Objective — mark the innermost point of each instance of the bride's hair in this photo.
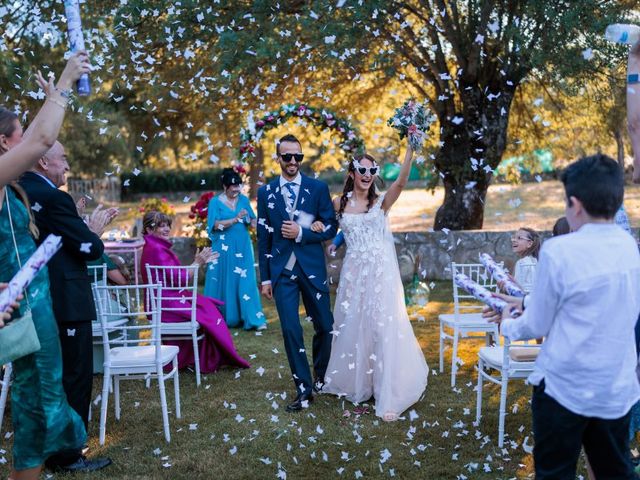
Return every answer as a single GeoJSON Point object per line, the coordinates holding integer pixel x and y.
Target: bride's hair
{"type": "Point", "coordinates": [372, 194]}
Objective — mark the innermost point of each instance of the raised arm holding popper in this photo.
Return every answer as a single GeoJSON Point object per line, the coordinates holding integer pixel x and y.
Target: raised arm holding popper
{"type": "Point", "coordinates": [501, 276]}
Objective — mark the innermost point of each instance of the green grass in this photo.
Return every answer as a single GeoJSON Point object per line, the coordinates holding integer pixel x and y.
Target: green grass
{"type": "Point", "coordinates": [235, 426]}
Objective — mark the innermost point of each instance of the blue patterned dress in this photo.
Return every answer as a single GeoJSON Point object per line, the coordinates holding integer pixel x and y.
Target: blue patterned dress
{"type": "Point", "coordinates": [233, 278]}
{"type": "Point", "coordinates": [43, 421]}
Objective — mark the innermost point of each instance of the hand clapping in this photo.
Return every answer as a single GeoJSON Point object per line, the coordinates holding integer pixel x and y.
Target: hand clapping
{"type": "Point", "coordinates": [205, 255]}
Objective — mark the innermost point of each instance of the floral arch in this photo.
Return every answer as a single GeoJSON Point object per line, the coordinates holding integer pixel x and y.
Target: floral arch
{"type": "Point", "coordinates": [321, 118]}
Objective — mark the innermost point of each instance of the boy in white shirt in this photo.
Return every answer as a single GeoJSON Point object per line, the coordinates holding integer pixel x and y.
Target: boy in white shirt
{"type": "Point", "coordinates": [585, 302]}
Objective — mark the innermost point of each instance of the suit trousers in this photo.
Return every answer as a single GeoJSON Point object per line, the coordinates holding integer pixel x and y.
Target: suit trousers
{"type": "Point", "coordinates": [559, 435]}
{"type": "Point", "coordinates": [287, 291]}
{"type": "Point", "coordinates": [76, 340]}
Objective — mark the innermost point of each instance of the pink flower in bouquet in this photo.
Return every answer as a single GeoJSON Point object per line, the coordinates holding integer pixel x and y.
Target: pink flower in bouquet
{"type": "Point", "coordinates": [260, 123]}
{"type": "Point", "coordinates": [413, 130]}
{"type": "Point", "coordinates": [270, 118]}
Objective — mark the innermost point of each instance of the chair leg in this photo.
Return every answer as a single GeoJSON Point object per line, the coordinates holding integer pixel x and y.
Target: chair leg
{"type": "Point", "coordinates": [454, 358]}
{"type": "Point", "coordinates": [503, 408]}
{"type": "Point", "coordinates": [176, 386]}
{"type": "Point", "coordinates": [163, 405]}
{"type": "Point", "coordinates": [6, 382]}
{"type": "Point", "coordinates": [196, 357]}
{"type": "Point", "coordinates": [479, 392]}
{"type": "Point", "coordinates": [116, 394]}
{"type": "Point", "coordinates": [103, 405]}
{"type": "Point", "coordinates": [441, 347]}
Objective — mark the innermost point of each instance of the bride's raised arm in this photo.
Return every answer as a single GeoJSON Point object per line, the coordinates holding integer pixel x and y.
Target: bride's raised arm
{"type": "Point", "coordinates": [396, 187]}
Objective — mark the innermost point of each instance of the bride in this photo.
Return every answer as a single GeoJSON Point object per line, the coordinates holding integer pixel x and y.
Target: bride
{"type": "Point", "coordinates": [374, 350]}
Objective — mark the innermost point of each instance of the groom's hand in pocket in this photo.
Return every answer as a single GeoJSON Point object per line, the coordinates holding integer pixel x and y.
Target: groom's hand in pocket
{"type": "Point", "coordinates": [267, 291]}
{"type": "Point", "coordinates": [290, 229]}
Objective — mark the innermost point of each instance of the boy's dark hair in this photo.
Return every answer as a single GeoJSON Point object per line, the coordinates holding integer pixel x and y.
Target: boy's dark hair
{"type": "Point", "coordinates": [287, 138]}
{"type": "Point", "coordinates": [561, 227]}
{"type": "Point", "coordinates": [598, 182]}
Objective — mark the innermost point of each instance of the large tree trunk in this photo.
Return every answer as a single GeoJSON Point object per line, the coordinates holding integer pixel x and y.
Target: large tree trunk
{"type": "Point", "coordinates": [463, 207]}
{"type": "Point", "coordinates": [256, 165]}
{"type": "Point", "coordinates": [469, 153]}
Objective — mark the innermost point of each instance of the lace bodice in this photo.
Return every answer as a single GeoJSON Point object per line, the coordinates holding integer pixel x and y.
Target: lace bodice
{"type": "Point", "coordinates": [365, 232]}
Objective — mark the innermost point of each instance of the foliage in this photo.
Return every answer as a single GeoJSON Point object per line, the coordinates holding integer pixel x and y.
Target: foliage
{"type": "Point", "coordinates": [199, 216]}
{"type": "Point", "coordinates": [158, 181]}
{"type": "Point", "coordinates": [156, 205]}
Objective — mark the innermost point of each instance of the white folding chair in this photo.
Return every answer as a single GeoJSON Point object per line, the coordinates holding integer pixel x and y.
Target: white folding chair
{"type": "Point", "coordinates": [130, 360]}
{"type": "Point", "coordinates": [466, 319]}
{"type": "Point", "coordinates": [501, 359]}
{"type": "Point", "coordinates": [4, 390]}
{"type": "Point", "coordinates": [180, 287]}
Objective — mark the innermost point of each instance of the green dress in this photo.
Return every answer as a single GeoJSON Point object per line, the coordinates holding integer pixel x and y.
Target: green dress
{"type": "Point", "coordinates": [43, 421]}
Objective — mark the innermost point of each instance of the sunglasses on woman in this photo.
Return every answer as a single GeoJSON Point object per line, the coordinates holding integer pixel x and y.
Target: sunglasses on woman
{"type": "Point", "coordinates": [363, 170]}
{"type": "Point", "coordinates": [287, 157]}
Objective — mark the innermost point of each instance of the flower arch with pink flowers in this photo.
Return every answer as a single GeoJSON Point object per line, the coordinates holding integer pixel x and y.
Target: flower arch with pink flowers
{"type": "Point", "coordinates": [321, 118]}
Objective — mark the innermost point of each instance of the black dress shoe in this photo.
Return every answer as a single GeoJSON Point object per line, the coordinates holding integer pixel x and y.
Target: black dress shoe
{"type": "Point", "coordinates": [82, 465]}
{"type": "Point", "coordinates": [302, 401]}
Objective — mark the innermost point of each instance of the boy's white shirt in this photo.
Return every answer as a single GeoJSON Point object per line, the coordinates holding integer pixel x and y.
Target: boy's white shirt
{"type": "Point", "coordinates": [585, 301]}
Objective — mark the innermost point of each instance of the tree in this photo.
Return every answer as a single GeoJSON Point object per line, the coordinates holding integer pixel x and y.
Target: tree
{"type": "Point", "coordinates": [467, 57]}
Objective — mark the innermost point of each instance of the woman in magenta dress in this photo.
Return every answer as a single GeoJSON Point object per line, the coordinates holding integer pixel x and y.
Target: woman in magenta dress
{"type": "Point", "coordinates": [216, 349]}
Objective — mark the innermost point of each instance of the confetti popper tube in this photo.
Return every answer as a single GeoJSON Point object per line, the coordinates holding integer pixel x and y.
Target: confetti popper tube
{"type": "Point", "coordinates": [29, 270]}
{"type": "Point", "coordinates": [76, 40]}
{"type": "Point", "coordinates": [501, 275]}
{"type": "Point", "coordinates": [479, 292]}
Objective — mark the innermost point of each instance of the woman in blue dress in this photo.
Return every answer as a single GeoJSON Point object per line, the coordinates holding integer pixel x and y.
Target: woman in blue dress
{"type": "Point", "coordinates": [233, 278]}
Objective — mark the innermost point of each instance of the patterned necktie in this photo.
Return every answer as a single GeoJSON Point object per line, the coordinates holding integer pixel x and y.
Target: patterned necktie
{"type": "Point", "coordinates": [292, 193]}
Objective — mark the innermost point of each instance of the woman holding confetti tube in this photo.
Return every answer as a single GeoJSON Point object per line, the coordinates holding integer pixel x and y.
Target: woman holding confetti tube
{"type": "Point", "coordinates": [43, 421]}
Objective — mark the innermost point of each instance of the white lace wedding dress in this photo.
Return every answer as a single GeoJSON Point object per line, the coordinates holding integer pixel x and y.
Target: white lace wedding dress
{"type": "Point", "coordinates": [374, 351]}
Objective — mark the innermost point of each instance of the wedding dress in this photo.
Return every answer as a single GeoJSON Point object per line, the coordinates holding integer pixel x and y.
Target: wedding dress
{"type": "Point", "coordinates": [374, 351]}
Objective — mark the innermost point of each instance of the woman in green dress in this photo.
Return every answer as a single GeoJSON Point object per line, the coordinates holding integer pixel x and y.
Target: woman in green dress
{"type": "Point", "coordinates": [43, 421]}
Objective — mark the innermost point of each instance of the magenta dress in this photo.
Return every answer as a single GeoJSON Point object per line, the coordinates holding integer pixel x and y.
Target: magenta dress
{"type": "Point", "coordinates": [216, 348]}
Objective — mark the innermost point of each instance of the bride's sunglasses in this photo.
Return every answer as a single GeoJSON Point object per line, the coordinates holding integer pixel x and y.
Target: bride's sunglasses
{"type": "Point", "coordinates": [287, 157]}
{"type": "Point", "coordinates": [373, 171]}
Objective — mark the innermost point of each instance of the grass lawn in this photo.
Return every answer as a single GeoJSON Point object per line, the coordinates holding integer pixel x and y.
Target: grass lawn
{"type": "Point", "coordinates": [235, 426]}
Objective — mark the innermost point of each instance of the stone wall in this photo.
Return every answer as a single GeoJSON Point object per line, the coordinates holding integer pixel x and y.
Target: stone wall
{"type": "Point", "coordinates": [436, 249]}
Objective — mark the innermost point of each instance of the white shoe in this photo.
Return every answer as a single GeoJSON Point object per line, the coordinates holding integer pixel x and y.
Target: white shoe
{"type": "Point", "coordinates": [262, 327]}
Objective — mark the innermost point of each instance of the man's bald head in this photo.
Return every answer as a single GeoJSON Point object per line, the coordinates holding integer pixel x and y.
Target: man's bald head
{"type": "Point", "coordinates": [54, 165]}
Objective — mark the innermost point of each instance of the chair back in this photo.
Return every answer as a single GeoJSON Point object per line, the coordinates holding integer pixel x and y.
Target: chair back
{"type": "Point", "coordinates": [479, 274]}
{"type": "Point", "coordinates": [98, 274]}
{"type": "Point", "coordinates": [129, 308]}
{"type": "Point", "coordinates": [179, 292]}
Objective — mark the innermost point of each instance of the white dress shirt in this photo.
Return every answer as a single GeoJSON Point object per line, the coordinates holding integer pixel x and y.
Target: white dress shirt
{"type": "Point", "coordinates": [585, 301]}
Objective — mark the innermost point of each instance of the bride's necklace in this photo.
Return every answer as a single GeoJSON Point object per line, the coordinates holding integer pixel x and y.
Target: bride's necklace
{"type": "Point", "coordinates": [230, 203]}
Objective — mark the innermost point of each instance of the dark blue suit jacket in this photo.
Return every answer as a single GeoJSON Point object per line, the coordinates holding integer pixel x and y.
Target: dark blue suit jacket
{"type": "Point", "coordinates": [274, 250]}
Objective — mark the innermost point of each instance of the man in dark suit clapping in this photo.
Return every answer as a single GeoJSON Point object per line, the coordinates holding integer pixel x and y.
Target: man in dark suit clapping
{"type": "Point", "coordinates": [55, 212]}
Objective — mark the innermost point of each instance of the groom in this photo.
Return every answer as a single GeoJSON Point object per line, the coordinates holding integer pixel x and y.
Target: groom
{"type": "Point", "coordinates": [291, 259]}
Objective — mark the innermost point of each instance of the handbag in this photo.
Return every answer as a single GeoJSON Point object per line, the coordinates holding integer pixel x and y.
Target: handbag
{"type": "Point", "coordinates": [18, 337]}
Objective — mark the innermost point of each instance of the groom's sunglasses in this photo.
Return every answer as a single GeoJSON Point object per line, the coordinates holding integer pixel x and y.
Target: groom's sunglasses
{"type": "Point", "coordinates": [287, 157]}
{"type": "Point", "coordinates": [372, 170]}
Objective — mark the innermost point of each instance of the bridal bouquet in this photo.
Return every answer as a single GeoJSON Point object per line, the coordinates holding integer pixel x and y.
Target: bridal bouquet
{"type": "Point", "coordinates": [413, 120]}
